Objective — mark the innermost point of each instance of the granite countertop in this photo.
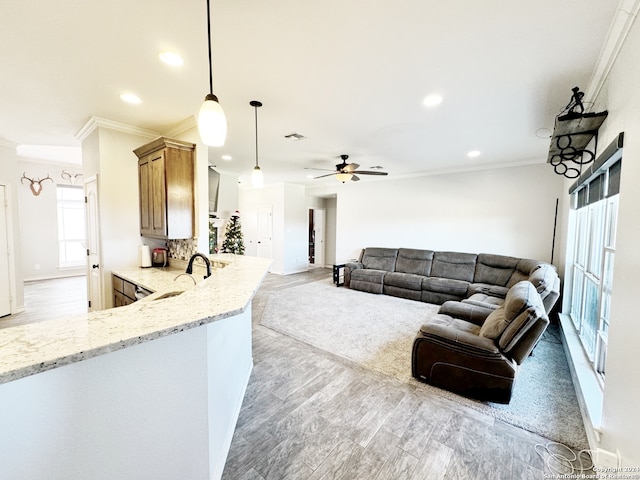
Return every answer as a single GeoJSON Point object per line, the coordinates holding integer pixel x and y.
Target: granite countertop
{"type": "Point", "coordinates": [34, 348]}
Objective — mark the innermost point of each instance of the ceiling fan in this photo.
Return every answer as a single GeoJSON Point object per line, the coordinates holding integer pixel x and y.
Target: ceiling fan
{"type": "Point", "coordinates": [346, 171]}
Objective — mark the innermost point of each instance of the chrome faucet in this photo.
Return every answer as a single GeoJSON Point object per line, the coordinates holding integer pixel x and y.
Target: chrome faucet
{"type": "Point", "coordinates": [206, 261]}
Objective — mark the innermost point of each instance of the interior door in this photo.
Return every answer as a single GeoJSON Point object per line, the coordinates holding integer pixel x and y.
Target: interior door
{"type": "Point", "coordinates": [94, 270]}
{"type": "Point", "coordinates": [5, 290]}
{"type": "Point", "coordinates": [318, 228]}
{"type": "Point", "coordinates": [265, 232]}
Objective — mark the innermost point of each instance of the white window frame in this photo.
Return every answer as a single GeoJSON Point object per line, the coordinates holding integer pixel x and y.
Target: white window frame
{"type": "Point", "coordinates": [64, 205]}
{"type": "Point", "coordinates": [593, 254]}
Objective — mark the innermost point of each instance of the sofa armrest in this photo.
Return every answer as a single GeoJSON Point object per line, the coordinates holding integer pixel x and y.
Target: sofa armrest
{"type": "Point", "coordinates": [491, 290]}
{"type": "Point", "coordinates": [466, 311]}
{"type": "Point", "coordinates": [348, 268]}
{"type": "Point", "coordinates": [460, 341]}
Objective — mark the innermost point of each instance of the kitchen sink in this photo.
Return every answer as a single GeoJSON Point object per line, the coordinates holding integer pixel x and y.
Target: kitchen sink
{"type": "Point", "coordinates": [169, 295]}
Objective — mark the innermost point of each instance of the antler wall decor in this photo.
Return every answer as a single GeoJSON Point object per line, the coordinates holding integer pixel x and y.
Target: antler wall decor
{"type": "Point", "coordinates": [70, 176]}
{"type": "Point", "coordinates": [36, 185]}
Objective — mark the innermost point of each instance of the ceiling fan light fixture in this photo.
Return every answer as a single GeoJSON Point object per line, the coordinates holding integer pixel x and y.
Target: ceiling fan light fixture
{"type": "Point", "coordinates": [344, 177]}
{"type": "Point", "coordinates": [212, 122]}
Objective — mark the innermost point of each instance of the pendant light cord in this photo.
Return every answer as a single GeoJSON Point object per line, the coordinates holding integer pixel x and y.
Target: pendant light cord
{"type": "Point", "coordinates": [255, 108]}
{"type": "Point", "coordinates": [209, 41]}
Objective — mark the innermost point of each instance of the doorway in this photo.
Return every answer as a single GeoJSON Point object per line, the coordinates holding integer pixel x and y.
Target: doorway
{"type": "Point", "coordinates": [316, 237]}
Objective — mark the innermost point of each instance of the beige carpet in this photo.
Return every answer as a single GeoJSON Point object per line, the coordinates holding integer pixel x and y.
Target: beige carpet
{"type": "Point", "coordinates": [377, 331]}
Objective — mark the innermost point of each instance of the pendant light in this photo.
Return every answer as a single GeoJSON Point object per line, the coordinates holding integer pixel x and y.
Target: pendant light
{"type": "Point", "coordinates": [212, 123]}
{"type": "Point", "coordinates": [257, 180]}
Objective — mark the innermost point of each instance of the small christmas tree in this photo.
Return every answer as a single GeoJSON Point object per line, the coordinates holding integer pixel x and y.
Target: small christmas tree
{"type": "Point", "coordinates": [233, 242]}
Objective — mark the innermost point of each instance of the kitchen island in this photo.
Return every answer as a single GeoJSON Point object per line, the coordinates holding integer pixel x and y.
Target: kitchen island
{"type": "Point", "coordinates": [148, 390]}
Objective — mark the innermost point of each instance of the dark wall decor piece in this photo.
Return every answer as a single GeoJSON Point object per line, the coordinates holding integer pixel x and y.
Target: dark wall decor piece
{"type": "Point", "coordinates": [573, 132]}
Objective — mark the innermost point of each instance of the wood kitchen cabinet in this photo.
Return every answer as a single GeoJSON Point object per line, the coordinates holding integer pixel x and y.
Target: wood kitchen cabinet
{"type": "Point", "coordinates": [166, 180]}
{"type": "Point", "coordinates": [124, 292]}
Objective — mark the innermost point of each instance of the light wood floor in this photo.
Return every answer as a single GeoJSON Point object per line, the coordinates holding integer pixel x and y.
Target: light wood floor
{"type": "Point", "coordinates": [47, 299]}
{"type": "Point", "coordinates": [311, 415]}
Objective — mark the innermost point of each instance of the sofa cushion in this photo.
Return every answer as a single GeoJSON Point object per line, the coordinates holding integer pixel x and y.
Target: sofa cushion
{"type": "Point", "coordinates": [494, 269]}
{"type": "Point", "coordinates": [414, 261]}
{"type": "Point", "coordinates": [543, 279]}
{"type": "Point", "coordinates": [368, 275]}
{"type": "Point", "coordinates": [485, 288]}
{"type": "Point", "coordinates": [450, 286]}
{"type": "Point", "coordinates": [380, 259]}
{"type": "Point", "coordinates": [484, 300]}
{"type": "Point", "coordinates": [367, 280]}
{"type": "Point", "coordinates": [403, 280]}
{"type": "Point", "coordinates": [494, 324]}
{"type": "Point", "coordinates": [451, 323]}
{"type": "Point", "coordinates": [454, 265]}
{"type": "Point", "coordinates": [523, 270]}
{"type": "Point", "coordinates": [509, 322]}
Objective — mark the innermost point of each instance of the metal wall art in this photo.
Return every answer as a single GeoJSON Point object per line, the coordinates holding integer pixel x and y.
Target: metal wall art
{"type": "Point", "coordinates": [573, 132]}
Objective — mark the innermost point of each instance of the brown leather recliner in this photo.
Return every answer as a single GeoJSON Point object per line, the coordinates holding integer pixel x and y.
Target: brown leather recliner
{"type": "Point", "coordinates": [476, 351]}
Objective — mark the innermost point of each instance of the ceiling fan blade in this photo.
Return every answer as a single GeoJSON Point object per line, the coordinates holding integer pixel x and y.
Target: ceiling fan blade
{"type": "Point", "coordinates": [321, 169]}
{"type": "Point", "coordinates": [327, 175]}
{"type": "Point", "coordinates": [355, 178]}
{"type": "Point", "coordinates": [350, 168]}
{"type": "Point", "coordinates": [365, 172]}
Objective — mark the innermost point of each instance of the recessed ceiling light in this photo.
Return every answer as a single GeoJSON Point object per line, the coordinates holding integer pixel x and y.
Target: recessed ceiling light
{"type": "Point", "coordinates": [473, 154]}
{"type": "Point", "coordinates": [432, 100]}
{"type": "Point", "coordinates": [130, 98]}
{"type": "Point", "coordinates": [227, 158]}
{"type": "Point", "coordinates": [171, 58]}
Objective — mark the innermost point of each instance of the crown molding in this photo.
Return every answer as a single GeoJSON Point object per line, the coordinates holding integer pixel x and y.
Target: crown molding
{"type": "Point", "coordinates": [181, 127]}
{"type": "Point", "coordinates": [620, 26]}
{"type": "Point", "coordinates": [95, 122]}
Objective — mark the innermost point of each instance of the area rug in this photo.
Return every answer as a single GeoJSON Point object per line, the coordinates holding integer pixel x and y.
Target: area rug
{"type": "Point", "coordinates": [377, 332]}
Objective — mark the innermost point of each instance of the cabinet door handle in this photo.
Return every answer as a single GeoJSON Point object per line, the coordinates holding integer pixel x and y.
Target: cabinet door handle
{"type": "Point", "coordinates": [95, 265]}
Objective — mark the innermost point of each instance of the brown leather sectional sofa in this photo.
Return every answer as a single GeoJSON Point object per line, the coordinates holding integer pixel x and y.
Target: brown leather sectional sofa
{"type": "Point", "coordinates": [494, 311]}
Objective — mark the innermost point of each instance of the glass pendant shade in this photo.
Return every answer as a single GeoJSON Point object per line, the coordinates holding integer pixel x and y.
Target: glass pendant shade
{"type": "Point", "coordinates": [343, 177]}
{"type": "Point", "coordinates": [257, 180]}
{"type": "Point", "coordinates": [212, 123]}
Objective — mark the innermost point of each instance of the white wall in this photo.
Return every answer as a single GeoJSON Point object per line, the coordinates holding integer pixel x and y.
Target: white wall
{"type": "Point", "coordinates": [621, 97]}
{"type": "Point", "coordinates": [9, 176]}
{"type": "Point", "coordinates": [109, 154]}
{"type": "Point", "coordinates": [330, 231]}
{"type": "Point", "coordinates": [39, 221]}
{"type": "Point", "coordinates": [290, 224]}
{"type": "Point", "coordinates": [508, 211]}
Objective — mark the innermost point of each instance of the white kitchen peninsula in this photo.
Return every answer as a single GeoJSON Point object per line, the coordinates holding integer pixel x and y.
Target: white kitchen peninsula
{"type": "Point", "coordinates": [150, 390]}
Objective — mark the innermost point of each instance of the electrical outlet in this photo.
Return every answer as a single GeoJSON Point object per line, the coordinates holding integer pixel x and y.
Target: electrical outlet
{"type": "Point", "coordinates": [607, 459]}
{"type": "Point", "coordinates": [36, 266]}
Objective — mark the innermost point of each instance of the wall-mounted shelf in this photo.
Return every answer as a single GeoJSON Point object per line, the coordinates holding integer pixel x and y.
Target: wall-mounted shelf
{"type": "Point", "coordinates": [572, 134]}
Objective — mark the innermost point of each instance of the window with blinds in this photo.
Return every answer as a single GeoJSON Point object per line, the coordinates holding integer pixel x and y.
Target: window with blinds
{"type": "Point", "coordinates": [593, 222]}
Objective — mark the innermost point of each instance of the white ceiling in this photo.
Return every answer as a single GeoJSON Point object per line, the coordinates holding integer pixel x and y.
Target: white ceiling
{"type": "Point", "coordinates": [349, 75]}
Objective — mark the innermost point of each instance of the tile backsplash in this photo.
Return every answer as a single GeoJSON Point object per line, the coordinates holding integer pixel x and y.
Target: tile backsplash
{"type": "Point", "coordinates": [182, 249]}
